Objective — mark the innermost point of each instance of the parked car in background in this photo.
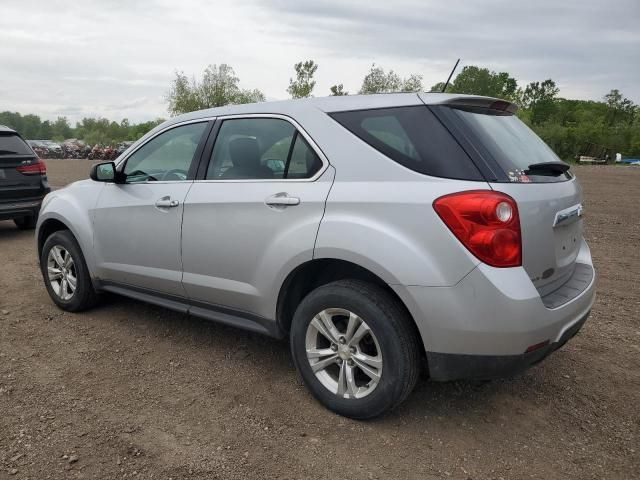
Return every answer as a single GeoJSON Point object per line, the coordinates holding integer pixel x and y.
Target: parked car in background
{"type": "Point", "coordinates": [54, 149]}
{"type": "Point", "coordinates": [39, 148]}
{"type": "Point", "coordinates": [122, 146]}
{"type": "Point", "coordinates": [23, 180]}
{"type": "Point", "coordinates": [374, 231]}
{"type": "Point", "coordinates": [74, 148]}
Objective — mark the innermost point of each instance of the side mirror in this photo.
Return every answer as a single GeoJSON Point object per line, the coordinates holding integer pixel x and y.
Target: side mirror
{"type": "Point", "coordinates": [103, 172]}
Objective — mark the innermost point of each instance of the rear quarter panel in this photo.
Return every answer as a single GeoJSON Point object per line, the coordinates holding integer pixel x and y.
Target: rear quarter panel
{"type": "Point", "coordinates": [391, 229]}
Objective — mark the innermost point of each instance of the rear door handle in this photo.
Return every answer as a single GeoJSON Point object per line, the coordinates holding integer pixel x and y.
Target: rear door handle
{"type": "Point", "coordinates": [282, 199]}
{"type": "Point", "coordinates": [166, 202]}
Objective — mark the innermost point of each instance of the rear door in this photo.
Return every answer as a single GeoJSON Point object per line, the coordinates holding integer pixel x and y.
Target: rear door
{"type": "Point", "coordinates": [253, 213]}
{"type": "Point", "coordinates": [549, 200]}
{"type": "Point", "coordinates": [15, 155]}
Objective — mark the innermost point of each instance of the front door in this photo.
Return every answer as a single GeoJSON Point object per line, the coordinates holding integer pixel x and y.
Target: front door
{"type": "Point", "coordinates": [137, 223]}
{"type": "Point", "coordinates": [254, 216]}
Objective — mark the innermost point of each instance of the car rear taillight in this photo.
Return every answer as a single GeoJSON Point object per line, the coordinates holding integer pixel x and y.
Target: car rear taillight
{"type": "Point", "coordinates": [487, 224]}
{"type": "Point", "coordinates": [36, 168]}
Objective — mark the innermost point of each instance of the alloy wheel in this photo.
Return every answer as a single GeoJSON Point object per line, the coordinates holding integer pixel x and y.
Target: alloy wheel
{"type": "Point", "coordinates": [61, 272]}
{"type": "Point", "coordinates": [343, 352]}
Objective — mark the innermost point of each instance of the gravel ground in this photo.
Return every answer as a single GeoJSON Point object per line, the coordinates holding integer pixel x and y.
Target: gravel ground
{"type": "Point", "coordinates": [128, 390]}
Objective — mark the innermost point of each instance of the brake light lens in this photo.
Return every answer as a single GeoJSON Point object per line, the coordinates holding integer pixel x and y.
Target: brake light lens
{"type": "Point", "coordinates": [486, 223]}
{"type": "Point", "coordinates": [36, 168]}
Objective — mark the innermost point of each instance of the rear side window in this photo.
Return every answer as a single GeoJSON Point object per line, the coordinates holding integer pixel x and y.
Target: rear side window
{"type": "Point", "coordinates": [12, 144]}
{"type": "Point", "coordinates": [261, 149]}
{"type": "Point", "coordinates": [414, 138]}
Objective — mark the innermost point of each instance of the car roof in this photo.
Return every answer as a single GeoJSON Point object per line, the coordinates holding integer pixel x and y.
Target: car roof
{"type": "Point", "coordinates": [5, 129]}
{"type": "Point", "coordinates": [330, 104]}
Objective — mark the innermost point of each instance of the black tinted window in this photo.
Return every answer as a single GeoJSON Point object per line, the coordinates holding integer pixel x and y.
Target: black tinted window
{"type": "Point", "coordinates": [260, 148]}
{"type": "Point", "coordinates": [512, 144]}
{"type": "Point", "coordinates": [304, 162]}
{"type": "Point", "coordinates": [12, 144]}
{"type": "Point", "coordinates": [413, 137]}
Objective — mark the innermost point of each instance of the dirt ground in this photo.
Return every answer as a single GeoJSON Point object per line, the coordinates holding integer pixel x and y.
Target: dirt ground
{"type": "Point", "coordinates": [128, 390]}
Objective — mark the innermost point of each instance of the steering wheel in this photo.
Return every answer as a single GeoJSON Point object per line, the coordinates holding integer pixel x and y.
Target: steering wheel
{"type": "Point", "coordinates": [176, 172]}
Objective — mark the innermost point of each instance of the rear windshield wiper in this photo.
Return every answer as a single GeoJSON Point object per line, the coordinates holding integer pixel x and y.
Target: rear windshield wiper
{"type": "Point", "coordinates": [548, 168]}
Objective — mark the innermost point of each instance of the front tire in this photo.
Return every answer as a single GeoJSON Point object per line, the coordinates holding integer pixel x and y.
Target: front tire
{"type": "Point", "coordinates": [356, 348]}
{"type": "Point", "coordinates": [65, 273]}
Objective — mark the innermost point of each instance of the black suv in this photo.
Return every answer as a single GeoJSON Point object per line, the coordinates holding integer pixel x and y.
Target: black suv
{"type": "Point", "coordinates": [23, 180]}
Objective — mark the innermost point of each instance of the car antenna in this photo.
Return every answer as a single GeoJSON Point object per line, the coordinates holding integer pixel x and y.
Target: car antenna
{"type": "Point", "coordinates": [450, 75]}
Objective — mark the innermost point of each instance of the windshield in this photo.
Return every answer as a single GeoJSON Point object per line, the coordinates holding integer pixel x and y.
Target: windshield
{"type": "Point", "coordinates": [513, 145]}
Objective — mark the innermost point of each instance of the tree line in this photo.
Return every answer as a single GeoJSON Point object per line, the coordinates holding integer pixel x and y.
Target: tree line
{"type": "Point", "coordinates": [566, 125]}
{"type": "Point", "coordinates": [90, 130]}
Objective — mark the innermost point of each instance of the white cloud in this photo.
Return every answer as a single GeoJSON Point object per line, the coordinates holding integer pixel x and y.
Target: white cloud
{"type": "Point", "coordinates": [115, 58]}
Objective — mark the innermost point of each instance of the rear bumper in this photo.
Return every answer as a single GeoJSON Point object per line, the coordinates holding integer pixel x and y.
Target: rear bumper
{"type": "Point", "coordinates": [448, 366]}
{"type": "Point", "coordinates": [20, 208]}
{"type": "Point", "coordinates": [483, 325]}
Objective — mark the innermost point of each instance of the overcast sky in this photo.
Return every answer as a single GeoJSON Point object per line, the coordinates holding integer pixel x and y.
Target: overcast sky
{"type": "Point", "coordinates": [116, 58]}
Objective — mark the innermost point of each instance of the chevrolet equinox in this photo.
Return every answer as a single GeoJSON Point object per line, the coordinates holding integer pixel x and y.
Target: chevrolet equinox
{"type": "Point", "coordinates": [380, 233]}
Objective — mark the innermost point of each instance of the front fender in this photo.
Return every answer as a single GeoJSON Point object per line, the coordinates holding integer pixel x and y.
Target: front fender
{"type": "Point", "coordinates": [72, 206]}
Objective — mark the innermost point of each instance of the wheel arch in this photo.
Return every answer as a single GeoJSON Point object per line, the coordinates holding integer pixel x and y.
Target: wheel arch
{"type": "Point", "coordinates": [47, 228]}
{"type": "Point", "coordinates": [321, 271]}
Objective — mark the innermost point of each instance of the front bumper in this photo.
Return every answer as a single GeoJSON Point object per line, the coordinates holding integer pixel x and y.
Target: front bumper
{"type": "Point", "coordinates": [448, 366]}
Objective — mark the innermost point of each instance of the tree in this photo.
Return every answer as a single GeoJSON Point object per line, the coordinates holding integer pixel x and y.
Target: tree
{"type": "Point", "coordinates": [183, 96]}
{"type": "Point", "coordinates": [620, 109]}
{"type": "Point", "coordinates": [473, 80]}
{"type": "Point", "coordinates": [338, 91]}
{"type": "Point", "coordinates": [438, 87]}
{"type": "Point", "coordinates": [412, 84]}
{"type": "Point", "coordinates": [303, 85]}
{"type": "Point", "coordinates": [377, 81]}
{"type": "Point", "coordinates": [219, 87]}
{"type": "Point", "coordinates": [61, 129]}
{"type": "Point", "coordinates": [540, 99]}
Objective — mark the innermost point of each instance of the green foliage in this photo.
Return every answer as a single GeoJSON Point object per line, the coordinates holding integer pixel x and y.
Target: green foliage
{"type": "Point", "coordinates": [218, 87]}
{"type": "Point", "coordinates": [480, 81]}
{"type": "Point", "coordinates": [540, 98]}
{"type": "Point", "coordinates": [379, 81]}
{"type": "Point", "coordinates": [89, 130]}
{"type": "Point", "coordinates": [304, 83]}
{"type": "Point", "coordinates": [565, 125]}
{"type": "Point", "coordinates": [620, 109]}
{"type": "Point", "coordinates": [337, 91]}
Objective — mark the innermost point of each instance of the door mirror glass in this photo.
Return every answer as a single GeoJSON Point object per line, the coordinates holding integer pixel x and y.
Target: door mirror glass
{"type": "Point", "coordinates": [103, 172]}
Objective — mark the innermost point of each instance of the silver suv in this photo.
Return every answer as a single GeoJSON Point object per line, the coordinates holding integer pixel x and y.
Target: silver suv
{"type": "Point", "coordinates": [376, 232]}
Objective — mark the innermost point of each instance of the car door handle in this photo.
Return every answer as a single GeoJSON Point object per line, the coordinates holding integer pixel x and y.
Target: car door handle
{"type": "Point", "coordinates": [166, 202]}
{"type": "Point", "coordinates": [282, 200]}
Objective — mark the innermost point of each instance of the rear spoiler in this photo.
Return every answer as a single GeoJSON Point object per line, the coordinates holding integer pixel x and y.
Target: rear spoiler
{"type": "Point", "coordinates": [469, 102]}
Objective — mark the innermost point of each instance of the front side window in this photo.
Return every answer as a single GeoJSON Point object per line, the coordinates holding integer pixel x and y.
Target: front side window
{"type": "Point", "coordinates": [261, 149]}
{"type": "Point", "coordinates": [167, 157]}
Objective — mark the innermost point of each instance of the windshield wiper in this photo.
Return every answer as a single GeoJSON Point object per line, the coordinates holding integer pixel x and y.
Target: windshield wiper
{"type": "Point", "coordinates": [547, 168]}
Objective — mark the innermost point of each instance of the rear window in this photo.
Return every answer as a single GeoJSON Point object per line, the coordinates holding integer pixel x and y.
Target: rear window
{"type": "Point", "coordinates": [12, 144]}
{"type": "Point", "coordinates": [512, 144]}
{"type": "Point", "coordinates": [412, 137]}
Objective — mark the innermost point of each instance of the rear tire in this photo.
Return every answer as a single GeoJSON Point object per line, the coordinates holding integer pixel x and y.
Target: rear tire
{"type": "Point", "coordinates": [26, 223]}
{"type": "Point", "coordinates": [63, 266]}
{"type": "Point", "coordinates": [389, 351]}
